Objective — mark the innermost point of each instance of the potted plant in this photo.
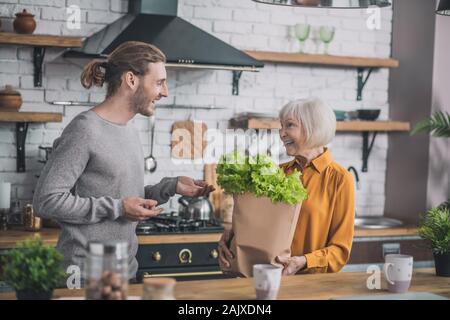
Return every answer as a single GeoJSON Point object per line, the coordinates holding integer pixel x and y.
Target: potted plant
{"type": "Point", "coordinates": [435, 228]}
{"type": "Point", "coordinates": [439, 126]}
{"type": "Point", "coordinates": [33, 269]}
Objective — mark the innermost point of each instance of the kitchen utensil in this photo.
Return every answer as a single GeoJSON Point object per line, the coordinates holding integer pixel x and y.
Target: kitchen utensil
{"type": "Point", "coordinates": [150, 161]}
{"type": "Point", "coordinates": [24, 22]}
{"type": "Point", "coordinates": [198, 208]}
{"type": "Point", "coordinates": [10, 99]}
{"type": "Point", "coordinates": [187, 139]}
{"type": "Point", "coordinates": [368, 114]}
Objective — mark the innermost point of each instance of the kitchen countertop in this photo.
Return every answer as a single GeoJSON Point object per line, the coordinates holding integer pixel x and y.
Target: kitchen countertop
{"type": "Point", "coordinates": [9, 238]}
{"type": "Point", "coordinates": [299, 287]}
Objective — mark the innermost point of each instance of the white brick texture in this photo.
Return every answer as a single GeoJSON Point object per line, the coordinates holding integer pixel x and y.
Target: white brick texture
{"type": "Point", "coordinates": [242, 23]}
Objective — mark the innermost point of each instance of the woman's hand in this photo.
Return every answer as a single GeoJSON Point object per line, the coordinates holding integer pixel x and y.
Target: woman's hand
{"type": "Point", "coordinates": [291, 265]}
{"type": "Point", "coordinates": [193, 188]}
{"type": "Point", "coordinates": [225, 255]}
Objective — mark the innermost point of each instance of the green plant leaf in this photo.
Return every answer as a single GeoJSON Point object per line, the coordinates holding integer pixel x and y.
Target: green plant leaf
{"type": "Point", "coordinates": [259, 175]}
{"type": "Point", "coordinates": [34, 266]}
{"type": "Point", "coordinates": [438, 125]}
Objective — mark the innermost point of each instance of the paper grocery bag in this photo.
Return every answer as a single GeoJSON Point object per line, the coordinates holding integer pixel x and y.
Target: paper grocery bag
{"type": "Point", "coordinates": [262, 231]}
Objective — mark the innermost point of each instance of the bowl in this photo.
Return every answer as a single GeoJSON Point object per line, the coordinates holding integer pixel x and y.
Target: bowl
{"type": "Point", "coordinates": [340, 115]}
{"type": "Point", "coordinates": [368, 114]}
{"type": "Point", "coordinates": [10, 100]}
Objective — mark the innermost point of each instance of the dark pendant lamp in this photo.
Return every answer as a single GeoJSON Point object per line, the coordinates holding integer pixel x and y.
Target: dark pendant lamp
{"type": "Point", "coordinates": [444, 8]}
{"type": "Point", "coordinates": [338, 4]}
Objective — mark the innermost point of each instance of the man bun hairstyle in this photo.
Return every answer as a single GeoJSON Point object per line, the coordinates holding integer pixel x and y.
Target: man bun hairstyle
{"type": "Point", "coordinates": [131, 56]}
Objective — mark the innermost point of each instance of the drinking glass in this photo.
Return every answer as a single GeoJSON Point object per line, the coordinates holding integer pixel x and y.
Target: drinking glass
{"type": "Point", "coordinates": [302, 33]}
{"type": "Point", "coordinates": [326, 35]}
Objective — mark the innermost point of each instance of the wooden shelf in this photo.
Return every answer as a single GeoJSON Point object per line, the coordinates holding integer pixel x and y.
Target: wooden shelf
{"type": "Point", "coordinates": [22, 119]}
{"type": "Point", "coordinates": [364, 127]}
{"type": "Point", "coordinates": [30, 116]}
{"type": "Point", "coordinates": [342, 126]}
{"type": "Point", "coordinates": [40, 40]}
{"type": "Point", "coordinates": [326, 60]}
{"type": "Point", "coordinates": [39, 44]}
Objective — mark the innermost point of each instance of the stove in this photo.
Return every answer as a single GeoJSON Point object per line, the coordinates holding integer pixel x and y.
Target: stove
{"type": "Point", "coordinates": [193, 260]}
{"type": "Point", "coordinates": [171, 223]}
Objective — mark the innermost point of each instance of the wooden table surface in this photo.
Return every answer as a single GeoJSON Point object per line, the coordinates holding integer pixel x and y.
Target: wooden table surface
{"type": "Point", "coordinates": [299, 287]}
{"type": "Point", "coordinates": [9, 238]}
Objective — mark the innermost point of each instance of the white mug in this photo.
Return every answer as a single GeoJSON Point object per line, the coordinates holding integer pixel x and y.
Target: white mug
{"type": "Point", "coordinates": [267, 281]}
{"type": "Point", "coordinates": [398, 272]}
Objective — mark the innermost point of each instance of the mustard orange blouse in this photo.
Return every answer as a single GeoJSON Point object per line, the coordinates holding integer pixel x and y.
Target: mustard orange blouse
{"type": "Point", "coordinates": [324, 232]}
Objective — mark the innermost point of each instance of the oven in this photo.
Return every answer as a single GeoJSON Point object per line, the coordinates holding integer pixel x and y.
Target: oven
{"type": "Point", "coordinates": [180, 260]}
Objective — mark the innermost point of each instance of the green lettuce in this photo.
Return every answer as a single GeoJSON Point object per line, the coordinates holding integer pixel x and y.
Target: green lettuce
{"type": "Point", "coordinates": [261, 176]}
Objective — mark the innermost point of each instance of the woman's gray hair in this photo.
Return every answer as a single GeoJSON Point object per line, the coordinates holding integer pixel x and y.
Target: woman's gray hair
{"type": "Point", "coordinates": [316, 118]}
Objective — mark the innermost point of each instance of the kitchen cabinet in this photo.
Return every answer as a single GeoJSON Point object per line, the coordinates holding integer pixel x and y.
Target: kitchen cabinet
{"type": "Point", "coordinates": [371, 250]}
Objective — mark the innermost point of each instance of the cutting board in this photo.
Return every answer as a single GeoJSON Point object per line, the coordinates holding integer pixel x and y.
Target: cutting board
{"type": "Point", "coordinates": [222, 202]}
{"type": "Point", "coordinates": [188, 139]}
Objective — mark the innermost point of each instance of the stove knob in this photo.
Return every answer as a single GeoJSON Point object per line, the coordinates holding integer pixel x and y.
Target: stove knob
{"type": "Point", "coordinates": [214, 254]}
{"type": "Point", "coordinates": [156, 256]}
{"type": "Point", "coordinates": [185, 256]}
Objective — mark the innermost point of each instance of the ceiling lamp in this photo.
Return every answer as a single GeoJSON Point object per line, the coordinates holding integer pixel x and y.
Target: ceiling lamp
{"type": "Point", "coordinates": [444, 8]}
{"type": "Point", "coordinates": [338, 4]}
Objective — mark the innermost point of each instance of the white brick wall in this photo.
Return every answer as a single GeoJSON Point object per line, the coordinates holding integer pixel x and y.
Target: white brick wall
{"type": "Point", "coordinates": [242, 23]}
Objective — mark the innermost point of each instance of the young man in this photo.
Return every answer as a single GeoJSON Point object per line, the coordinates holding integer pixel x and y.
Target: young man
{"type": "Point", "coordinates": [93, 183]}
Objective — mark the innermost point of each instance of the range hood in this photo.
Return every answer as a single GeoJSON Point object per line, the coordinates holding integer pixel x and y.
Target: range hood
{"type": "Point", "coordinates": [156, 22]}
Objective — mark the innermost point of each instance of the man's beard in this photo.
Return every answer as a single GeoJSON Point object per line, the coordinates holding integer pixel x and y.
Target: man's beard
{"type": "Point", "coordinates": [140, 102]}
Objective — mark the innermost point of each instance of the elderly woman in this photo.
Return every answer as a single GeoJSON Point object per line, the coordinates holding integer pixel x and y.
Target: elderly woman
{"type": "Point", "coordinates": [324, 232]}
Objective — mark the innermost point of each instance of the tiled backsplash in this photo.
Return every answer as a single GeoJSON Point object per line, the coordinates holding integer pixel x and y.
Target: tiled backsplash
{"type": "Point", "coordinates": [242, 23]}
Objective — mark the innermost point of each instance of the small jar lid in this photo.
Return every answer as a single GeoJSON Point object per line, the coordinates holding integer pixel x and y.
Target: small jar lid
{"type": "Point", "coordinates": [101, 248]}
{"type": "Point", "coordinates": [9, 91]}
{"type": "Point", "coordinates": [24, 13]}
{"type": "Point", "coordinates": [159, 282]}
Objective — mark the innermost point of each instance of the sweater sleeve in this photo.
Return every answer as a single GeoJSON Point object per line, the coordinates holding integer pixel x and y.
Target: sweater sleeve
{"type": "Point", "coordinates": [335, 255]}
{"type": "Point", "coordinates": [55, 196]}
{"type": "Point", "coordinates": [162, 191]}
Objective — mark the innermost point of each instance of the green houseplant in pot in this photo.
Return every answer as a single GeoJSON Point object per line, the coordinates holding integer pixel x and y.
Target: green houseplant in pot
{"type": "Point", "coordinates": [33, 269]}
{"type": "Point", "coordinates": [435, 228]}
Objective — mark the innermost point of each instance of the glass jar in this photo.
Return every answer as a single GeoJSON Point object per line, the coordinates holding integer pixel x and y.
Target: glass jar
{"type": "Point", "coordinates": [107, 271]}
{"type": "Point", "coordinates": [159, 289]}
{"type": "Point", "coordinates": [30, 220]}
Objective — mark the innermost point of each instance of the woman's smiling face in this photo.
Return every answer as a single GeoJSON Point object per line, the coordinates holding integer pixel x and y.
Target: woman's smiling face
{"type": "Point", "coordinates": [291, 134]}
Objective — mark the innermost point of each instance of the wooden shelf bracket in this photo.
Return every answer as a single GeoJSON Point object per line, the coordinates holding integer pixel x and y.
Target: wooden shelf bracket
{"type": "Point", "coordinates": [21, 136]}
{"type": "Point", "coordinates": [367, 148]}
{"type": "Point", "coordinates": [236, 77]}
{"type": "Point", "coordinates": [38, 59]}
{"type": "Point", "coordinates": [362, 82]}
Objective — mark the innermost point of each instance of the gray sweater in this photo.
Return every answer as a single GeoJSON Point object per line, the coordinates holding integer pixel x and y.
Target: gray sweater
{"type": "Point", "coordinates": [93, 166]}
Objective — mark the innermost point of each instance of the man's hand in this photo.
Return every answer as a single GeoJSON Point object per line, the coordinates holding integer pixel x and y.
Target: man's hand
{"type": "Point", "coordinates": [225, 255]}
{"type": "Point", "coordinates": [193, 188]}
{"type": "Point", "coordinates": [291, 264]}
{"type": "Point", "coordinates": [137, 209]}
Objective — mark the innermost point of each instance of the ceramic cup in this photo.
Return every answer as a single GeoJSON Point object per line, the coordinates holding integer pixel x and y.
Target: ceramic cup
{"type": "Point", "coordinates": [267, 281]}
{"type": "Point", "coordinates": [398, 272]}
